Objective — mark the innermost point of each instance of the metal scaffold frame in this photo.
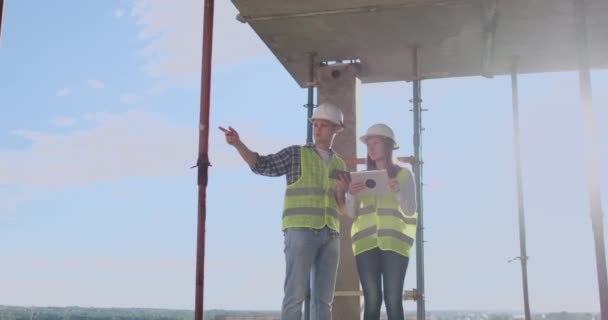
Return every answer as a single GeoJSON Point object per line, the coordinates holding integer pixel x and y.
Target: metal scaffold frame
{"type": "Point", "coordinates": [594, 166]}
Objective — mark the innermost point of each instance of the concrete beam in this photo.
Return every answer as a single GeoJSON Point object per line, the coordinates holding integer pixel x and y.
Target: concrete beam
{"type": "Point", "coordinates": [355, 9]}
{"type": "Point", "coordinates": [489, 19]}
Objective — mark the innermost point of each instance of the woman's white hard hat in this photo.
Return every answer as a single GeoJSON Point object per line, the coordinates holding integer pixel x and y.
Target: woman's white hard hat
{"type": "Point", "coordinates": [380, 130]}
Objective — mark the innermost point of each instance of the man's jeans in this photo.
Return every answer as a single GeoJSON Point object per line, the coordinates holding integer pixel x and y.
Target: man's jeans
{"type": "Point", "coordinates": [311, 260]}
{"type": "Point", "coordinates": [377, 269]}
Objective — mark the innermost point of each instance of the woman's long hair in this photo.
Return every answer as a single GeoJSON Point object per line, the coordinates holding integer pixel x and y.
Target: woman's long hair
{"type": "Point", "coordinates": [391, 168]}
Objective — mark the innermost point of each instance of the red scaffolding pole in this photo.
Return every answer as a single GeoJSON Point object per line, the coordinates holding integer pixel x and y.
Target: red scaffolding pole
{"type": "Point", "coordinates": [203, 158]}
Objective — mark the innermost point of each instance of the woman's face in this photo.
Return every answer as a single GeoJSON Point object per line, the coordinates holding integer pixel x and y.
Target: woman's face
{"type": "Point", "coordinates": [375, 148]}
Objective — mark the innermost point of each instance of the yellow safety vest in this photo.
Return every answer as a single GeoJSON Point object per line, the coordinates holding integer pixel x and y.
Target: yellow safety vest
{"type": "Point", "coordinates": [381, 223]}
{"type": "Point", "coordinates": [311, 200]}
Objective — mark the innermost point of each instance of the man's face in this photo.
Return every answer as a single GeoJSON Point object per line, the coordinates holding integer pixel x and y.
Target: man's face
{"type": "Point", "coordinates": [323, 130]}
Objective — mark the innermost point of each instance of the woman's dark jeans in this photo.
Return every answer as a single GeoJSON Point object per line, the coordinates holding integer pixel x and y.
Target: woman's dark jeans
{"type": "Point", "coordinates": [382, 269]}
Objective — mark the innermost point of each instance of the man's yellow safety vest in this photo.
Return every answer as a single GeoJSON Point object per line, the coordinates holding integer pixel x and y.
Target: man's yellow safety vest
{"type": "Point", "coordinates": [311, 200]}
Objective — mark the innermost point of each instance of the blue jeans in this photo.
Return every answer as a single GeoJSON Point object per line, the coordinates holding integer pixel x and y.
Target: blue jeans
{"type": "Point", "coordinates": [382, 269]}
{"type": "Point", "coordinates": [311, 261]}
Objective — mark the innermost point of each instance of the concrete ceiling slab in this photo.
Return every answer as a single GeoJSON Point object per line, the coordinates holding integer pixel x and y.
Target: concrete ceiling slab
{"type": "Point", "coordinates": [454, 38]}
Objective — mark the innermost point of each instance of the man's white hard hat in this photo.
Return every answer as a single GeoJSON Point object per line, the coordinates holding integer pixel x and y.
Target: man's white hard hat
{"type": "Point", "coordinates": [329, 112]}
{"type": "Point", "coordinates": [380, 130]}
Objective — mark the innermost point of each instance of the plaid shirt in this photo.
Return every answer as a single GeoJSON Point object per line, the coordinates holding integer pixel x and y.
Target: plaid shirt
{"type": "Point", "coordinates": [285, 162]}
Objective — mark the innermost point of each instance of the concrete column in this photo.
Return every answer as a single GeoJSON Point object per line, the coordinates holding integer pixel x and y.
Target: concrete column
{"type": "Point", "coordinates": [338, 84]}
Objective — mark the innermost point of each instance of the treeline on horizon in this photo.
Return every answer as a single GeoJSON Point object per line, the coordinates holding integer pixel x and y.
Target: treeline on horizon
{"type": "Point", "coordinates": [78, 313]}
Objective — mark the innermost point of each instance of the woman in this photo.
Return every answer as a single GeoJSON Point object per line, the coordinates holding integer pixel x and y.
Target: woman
{"type": "Point", "coordinates": [385, 227]}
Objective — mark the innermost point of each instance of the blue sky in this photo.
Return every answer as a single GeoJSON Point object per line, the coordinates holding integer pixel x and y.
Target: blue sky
{"type": "Point", "coordinates": [98, 131]}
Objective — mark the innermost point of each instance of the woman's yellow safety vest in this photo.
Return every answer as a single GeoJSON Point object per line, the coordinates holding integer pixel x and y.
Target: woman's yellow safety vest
{"type": "Point", "coordinates": [382, 223]}
{"type": "Point", "coordinates": [311, 201]}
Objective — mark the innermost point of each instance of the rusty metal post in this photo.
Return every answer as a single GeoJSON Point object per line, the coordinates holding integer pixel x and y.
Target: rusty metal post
{"type": "Point", "coordinates": [203, 158]}
{"type": "Point", "coordinates": [593, 173]}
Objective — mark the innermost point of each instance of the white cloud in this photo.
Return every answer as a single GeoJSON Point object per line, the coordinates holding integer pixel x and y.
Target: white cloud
{"type": "Point", "coordinates": [118, 13]}
{"type": "Point", "coordinates": [174, 34]}
{"type": "Point", "coordinates": [63, 92]}
{"type": "Point", "coordinates": [63, 122]}
{"type": "Point", "coordinates": [116, 146]}
{"type": "Point", "coordinates": [96, 84]}
{"type": "Point", "coordinates": [128, 98]}
{"type": "Point", "coordinates": [161, 87]}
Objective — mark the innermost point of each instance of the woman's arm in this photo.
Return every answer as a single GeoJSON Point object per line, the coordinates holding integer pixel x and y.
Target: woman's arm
{"type": "Point", "coordinates": [352, 200]}
{"type": "Point", "coordinates": [407, 195]}
{"type": "Point", "coordinates": [350, 205]}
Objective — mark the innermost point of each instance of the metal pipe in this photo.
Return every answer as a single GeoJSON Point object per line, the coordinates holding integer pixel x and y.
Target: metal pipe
{"type": "Point", "coordinates": [417, 101]}
{"type": "Point", "coordinates": [593, 172]}
{"type": "Point", "coordinates": [203, 158]}
{"type": "Point", "coordinates": [310, 106]}
{"type": "Point", "coordinates": [356, 161]}
{"type": "Point", "coordinates": [523, 257]}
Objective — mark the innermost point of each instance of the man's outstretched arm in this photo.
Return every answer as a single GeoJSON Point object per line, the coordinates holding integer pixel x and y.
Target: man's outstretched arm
{"type": "Point", "coordinates": [233, 139]}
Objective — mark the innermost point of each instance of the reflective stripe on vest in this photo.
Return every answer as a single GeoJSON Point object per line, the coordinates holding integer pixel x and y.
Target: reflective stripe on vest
{"type": "Point", "coordinates": [311, 201]}
{"type": "Point", "coordinates": [381, 223]}
{"type": "Point", "coordinates": [397, 213]}
{"type": "Point", "coordinates": [310, 211]}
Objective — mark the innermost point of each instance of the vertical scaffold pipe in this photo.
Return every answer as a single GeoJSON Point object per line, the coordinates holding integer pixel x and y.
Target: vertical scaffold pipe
{"type": "Point", "coordinates": [417, 101]}
{"type": "Point", "coordinates": [593, 173]}
{"type": "Point", "coordinates": [309, 106]}
{"type": "Point", "coordinates": [520, 189]}
{"type": "Point", "coordinates": [311, 92]}
{"type": "Point", "coordinates": [203, 158]}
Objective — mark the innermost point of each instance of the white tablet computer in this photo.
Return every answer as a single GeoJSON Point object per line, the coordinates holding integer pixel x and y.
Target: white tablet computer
{"type": "Point", "coordinates": [374, 180]}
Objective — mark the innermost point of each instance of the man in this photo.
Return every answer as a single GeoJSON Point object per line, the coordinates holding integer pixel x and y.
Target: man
{"type": "Point", "coordinates": [313, 202]}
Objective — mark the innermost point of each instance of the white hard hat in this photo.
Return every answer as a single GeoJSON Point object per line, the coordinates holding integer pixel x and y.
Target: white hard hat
{"type": "Point", "coordinates": [328, 112]}
{"type": "Point", "coordinates": [381, 130]}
